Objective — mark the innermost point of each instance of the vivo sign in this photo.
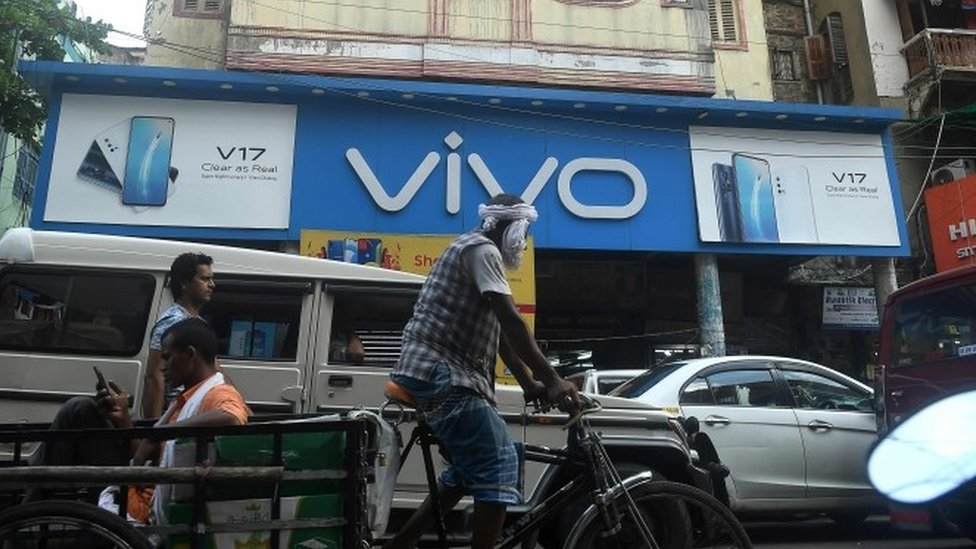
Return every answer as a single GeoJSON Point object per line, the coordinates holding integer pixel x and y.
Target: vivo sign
{"type": "Point", "coordinates": [542, 176]}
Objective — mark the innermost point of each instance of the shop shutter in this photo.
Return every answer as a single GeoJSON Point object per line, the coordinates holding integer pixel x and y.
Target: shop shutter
{"type": "Point", "coordinates": [818, 62]}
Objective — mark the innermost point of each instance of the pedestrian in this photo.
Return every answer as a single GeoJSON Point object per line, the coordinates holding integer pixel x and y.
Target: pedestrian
{"type": "Point", "coordinates": [463, 319]}
{"type": "Point", "coordinates": [191, 281]}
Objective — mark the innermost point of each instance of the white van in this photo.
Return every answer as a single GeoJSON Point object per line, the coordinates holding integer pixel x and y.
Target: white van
{"type": "Point", "coordinates": [70, 301]}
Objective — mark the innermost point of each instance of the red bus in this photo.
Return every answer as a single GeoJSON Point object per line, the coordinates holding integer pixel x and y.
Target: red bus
{"type": "Point", "coordinates": [928, 351]}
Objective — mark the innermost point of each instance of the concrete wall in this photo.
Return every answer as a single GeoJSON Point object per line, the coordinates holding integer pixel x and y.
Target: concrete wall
{"type": "Point", "coordinates": [646, 45]}
{"type": "Point", "coordinates": [884, 37]}
{"type": "Point", "coordinates": [862, 74]}
{"type": "Point", "coordinates": [743, 71]}
{"type": "Point", "coordinates": [177, 41]}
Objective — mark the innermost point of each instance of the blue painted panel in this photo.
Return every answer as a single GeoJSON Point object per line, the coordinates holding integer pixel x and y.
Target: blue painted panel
{"type": "Point", "coordinates": [394, 136]}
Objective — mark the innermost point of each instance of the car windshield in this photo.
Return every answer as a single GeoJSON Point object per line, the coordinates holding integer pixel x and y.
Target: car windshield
{"type": "Point", "coordinates": [936, 326]}
{"type": "Point", "coordinates": [640, 384]}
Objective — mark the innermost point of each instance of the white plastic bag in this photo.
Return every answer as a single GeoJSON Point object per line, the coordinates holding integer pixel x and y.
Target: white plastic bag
{"type": "Point", "coordinates": [386, 465]}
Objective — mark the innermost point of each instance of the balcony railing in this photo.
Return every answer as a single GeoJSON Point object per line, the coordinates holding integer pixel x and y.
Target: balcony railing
{"type": "Point", "coordinates": [951, 49]}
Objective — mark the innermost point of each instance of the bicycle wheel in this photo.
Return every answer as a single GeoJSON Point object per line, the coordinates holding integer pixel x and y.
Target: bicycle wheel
{"type": "Point", "coordinates": [710, 524]}
{"type": "Point", "coordinates": [62, 524]}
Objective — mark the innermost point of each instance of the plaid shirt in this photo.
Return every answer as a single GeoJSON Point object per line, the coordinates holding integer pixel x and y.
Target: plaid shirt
{"type": "Point", "coordinates": [452, 323]}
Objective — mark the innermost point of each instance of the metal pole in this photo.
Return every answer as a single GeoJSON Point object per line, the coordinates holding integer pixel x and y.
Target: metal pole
{"type": "Point", "coordinates": [885, 282]}
{"type": "Point", "coordinates": [710, 327]}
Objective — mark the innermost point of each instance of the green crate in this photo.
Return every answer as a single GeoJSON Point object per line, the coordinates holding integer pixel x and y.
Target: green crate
{"type": "Point", "coordinates": [239, 511]}
{"type": "Point", "coordinates": [300, 451]}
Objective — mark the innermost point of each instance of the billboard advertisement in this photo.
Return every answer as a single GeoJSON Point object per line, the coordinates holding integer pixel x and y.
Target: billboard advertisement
{"type": "Point", "coordinates": [172, 162]}
{"type": "Point", "coordinates": [782, 187]}
{"type": "Point", "coordinates": [951, 212]}
{"type": "Point", "coordinates": [416, 254]}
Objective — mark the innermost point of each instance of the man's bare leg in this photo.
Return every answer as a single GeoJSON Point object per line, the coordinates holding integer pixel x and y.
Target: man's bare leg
{"type": "Point", "coordinates": [489, 519]}
{"type": "Point", "coordinates": [423, 518]}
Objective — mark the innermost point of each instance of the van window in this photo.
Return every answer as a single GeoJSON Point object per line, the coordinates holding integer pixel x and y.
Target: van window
{"type": "Point", "coordinates": [256, 320]}
{"type": "Point", "coordinates": [74, 312]}
{"type": "Point", "coordinates": [936, 326]}
{"type": "Point", "coordinates": [377, 319]}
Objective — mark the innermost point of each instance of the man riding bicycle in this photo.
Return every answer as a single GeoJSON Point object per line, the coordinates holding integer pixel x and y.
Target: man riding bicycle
{"type": "Point", "coordinates": [464, 317]}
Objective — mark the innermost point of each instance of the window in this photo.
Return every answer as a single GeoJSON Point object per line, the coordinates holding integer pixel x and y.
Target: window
{"type": "Point", "coordinates": [26, 174]}
{"type": "Point", "coordinates": [840, 85]}
{"type": "Point", "coordinates": [256, 319]}
{"type": "Point", "coordinates": [78, 313]}
{"type": "Point", "coordinates": [743, 388]}
{"type": "Point", "coordinates": [199, 8]}
{"type": "Point", "coordinates": [935, 327]}
{"type": "Point", "coordinates": [377, 317]}
{"type": "Point", "coordinates": [723, 20]}
{"type": "Point", "coordinates": [814, 391]}
{"type": "Point", "coordinates": [784, 64]}
{"type": "Point", "coordinates": [697, 392]}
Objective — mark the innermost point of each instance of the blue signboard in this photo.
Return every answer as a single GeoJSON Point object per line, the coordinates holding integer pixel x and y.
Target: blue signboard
{"type": "Point", "coordinates": [605, 171]}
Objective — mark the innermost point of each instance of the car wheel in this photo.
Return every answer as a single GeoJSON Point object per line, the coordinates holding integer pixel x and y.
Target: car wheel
{"type": "Point", "coordinates": [848, 520]}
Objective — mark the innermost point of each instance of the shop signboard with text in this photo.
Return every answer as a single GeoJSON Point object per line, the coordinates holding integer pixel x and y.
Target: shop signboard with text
{"type": "Point", "coordinates": [951, 212]}
{"type": "Point", "coordinates": [851, 308]}
{"type": "Point", "coordinates": [171, 162]}
{"type": "Point", "coordinates": [755, 186]}
{"type": "Point", "coordinates": [415, 254]}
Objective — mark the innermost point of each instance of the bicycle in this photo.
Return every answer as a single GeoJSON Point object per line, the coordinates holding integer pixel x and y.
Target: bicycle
{"type": "Point", "coordinates": [639, 511]}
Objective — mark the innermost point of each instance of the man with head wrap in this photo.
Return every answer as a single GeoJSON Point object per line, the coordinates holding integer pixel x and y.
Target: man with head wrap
{"type": "Point", "coordinates": [465, 316]}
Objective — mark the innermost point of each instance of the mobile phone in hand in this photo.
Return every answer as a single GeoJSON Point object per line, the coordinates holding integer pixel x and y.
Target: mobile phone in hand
{"type": "Point", "coordinates": [102, 382]}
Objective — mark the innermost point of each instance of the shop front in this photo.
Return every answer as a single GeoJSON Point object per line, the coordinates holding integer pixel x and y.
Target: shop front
{"type": "Point", "coordinates": [630, 188]}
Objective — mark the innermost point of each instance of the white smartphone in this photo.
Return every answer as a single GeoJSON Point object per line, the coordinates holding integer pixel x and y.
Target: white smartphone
{"type": "Point", "coordinates": [796, 220]}
{"type": "Point", "coordinates": [104, 162]}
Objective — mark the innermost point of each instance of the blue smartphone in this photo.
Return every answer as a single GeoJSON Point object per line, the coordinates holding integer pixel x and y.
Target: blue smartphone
{"type": "Point", "coordinates": [727, 203]}
{"type": "Point", "coordinates": [147, 167]}
{"type": "Point", "coordinates": [755, 198]}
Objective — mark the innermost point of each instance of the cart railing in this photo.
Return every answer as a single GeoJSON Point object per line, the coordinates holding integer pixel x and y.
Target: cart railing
{"type": "Point", "coordinates": [16, 476]}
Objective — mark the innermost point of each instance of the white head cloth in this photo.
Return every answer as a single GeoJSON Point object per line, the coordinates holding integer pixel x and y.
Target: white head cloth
{"type": "Point", "coordinates": [513, 241]}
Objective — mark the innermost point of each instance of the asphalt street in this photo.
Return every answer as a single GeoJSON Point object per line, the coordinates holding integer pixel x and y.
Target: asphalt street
{"type": "Point", "coordinates": [876, 533]}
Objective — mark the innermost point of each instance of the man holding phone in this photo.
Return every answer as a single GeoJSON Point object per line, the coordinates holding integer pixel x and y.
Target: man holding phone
{"type": "Point", "coordinates": [191, 281]}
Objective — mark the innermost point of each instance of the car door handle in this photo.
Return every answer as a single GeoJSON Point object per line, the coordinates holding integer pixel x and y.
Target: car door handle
{"type": "Point", "coordinates": [717, 420]}
{"type": "Point", "coordinates": [340, 381]}
{"type": "Point", "coordinates": [818, 425]}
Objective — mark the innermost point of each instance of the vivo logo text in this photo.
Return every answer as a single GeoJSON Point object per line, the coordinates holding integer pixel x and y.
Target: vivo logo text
{"type": "Point", "coordinates": [542, 176]}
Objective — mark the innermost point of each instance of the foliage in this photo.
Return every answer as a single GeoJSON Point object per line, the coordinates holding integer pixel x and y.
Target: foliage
{"type": "Point", "coordinates": [34, 29]}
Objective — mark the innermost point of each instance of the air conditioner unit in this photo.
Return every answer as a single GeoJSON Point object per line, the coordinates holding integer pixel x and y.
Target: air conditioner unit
{"type": "Point", "coordinates": [957, 169]}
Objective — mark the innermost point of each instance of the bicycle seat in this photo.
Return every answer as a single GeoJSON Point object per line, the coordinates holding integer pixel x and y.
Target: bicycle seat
{"type": "Point", "coordinates": [398, 393]}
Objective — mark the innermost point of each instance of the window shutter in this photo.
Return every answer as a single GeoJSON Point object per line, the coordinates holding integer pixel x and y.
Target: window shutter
{"type": "Point", "coordinates": [835, 37]}
{"type": "Point", "coordinates": [722, 20]}
{"type": "Point", "coordinates": [713, 19]}
{"type": "Point", "coordinates": [728, 21]}
{"type": "Point", "coordinates": [818, 63]}
{"type": "Point", "coordinates": [191, 5]}
{"type": "Point", "coordinates": [211, 6]}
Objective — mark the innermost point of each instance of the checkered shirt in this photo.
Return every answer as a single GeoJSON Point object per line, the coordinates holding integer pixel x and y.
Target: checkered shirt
{"type": "Point", "coordinates": [452, 323]}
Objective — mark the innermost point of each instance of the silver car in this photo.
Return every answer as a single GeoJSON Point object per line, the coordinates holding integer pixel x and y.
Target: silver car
{"type": "Point", "coordinates": [794, 434]}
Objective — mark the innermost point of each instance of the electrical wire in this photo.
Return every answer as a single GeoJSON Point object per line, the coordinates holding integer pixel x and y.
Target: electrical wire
{"type": "Point", "coordinates": [928, 173]}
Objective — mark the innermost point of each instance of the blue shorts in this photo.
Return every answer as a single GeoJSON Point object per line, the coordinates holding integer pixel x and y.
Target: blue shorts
{"type": "Point", "coordinates": [473, 438]}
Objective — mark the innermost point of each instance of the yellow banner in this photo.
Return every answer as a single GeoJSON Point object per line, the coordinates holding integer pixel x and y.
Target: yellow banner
{"type": "Point", "coordinates": [416, 254]}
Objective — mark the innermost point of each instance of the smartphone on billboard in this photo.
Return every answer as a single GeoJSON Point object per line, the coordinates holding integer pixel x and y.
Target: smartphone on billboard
{"type": "Point", "coordinates": [726, 203]}
{"type": "Point", "coordinates": [755, 198]}
{"type": "Point", "coordinates": [105, 159]}
{"type": "Point", "coordinates": [147, 169]}
{"type": "Point", "coordinates": [796, 220]}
